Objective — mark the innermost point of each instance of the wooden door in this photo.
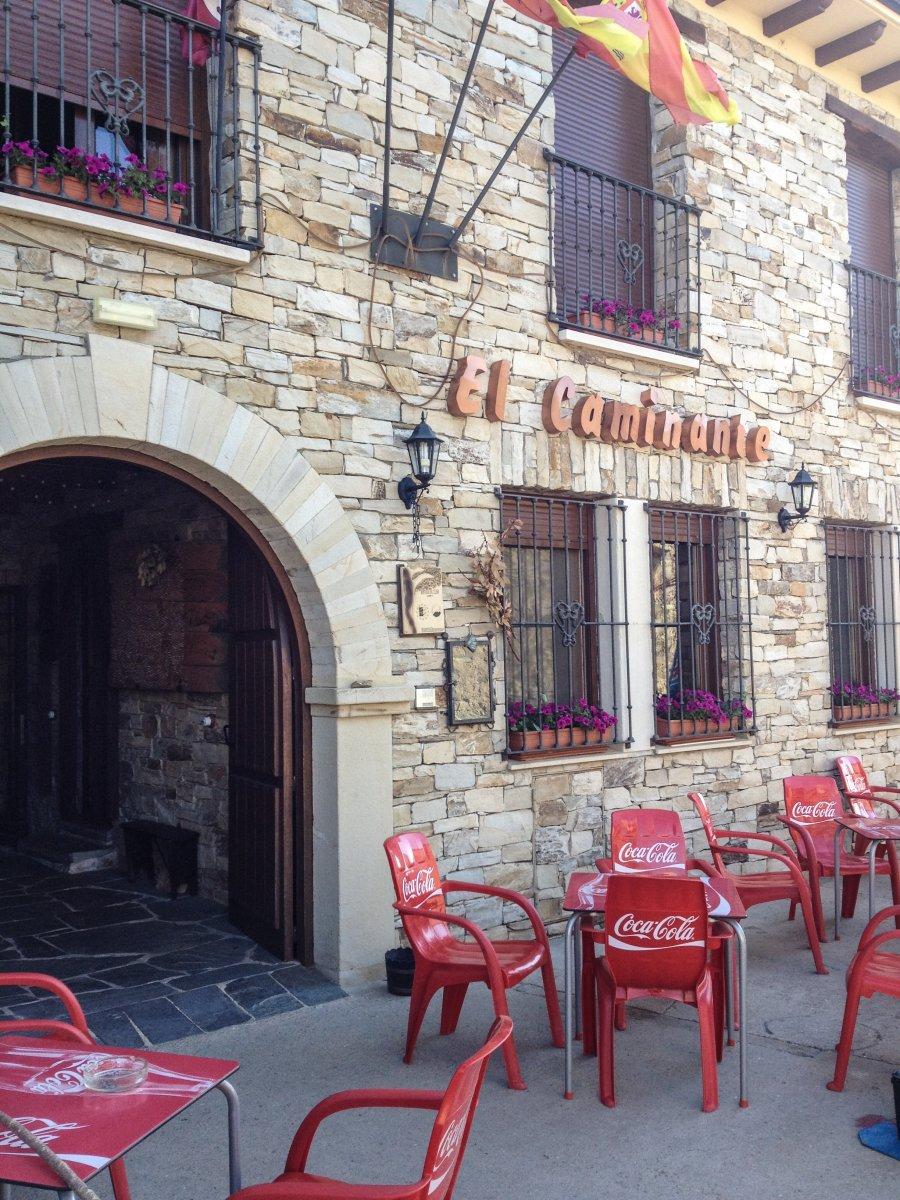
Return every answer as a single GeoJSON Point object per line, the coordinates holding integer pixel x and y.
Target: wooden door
{"type": "Point", "coordinates": [263, 755]}
{"type": "Point", "coordinates": [12, 713]}
{"type": "Point", "coordinates": [88, 750]}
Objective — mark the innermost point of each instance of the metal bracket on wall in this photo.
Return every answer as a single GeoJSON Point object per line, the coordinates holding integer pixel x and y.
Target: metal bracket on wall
{"type": "Point", "coordinates": [393, 244]}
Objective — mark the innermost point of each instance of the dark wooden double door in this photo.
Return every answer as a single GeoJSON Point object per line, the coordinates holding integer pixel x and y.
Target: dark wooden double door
{"type": "Point", "coordinates": [75, 752]}
{"type": "Point", "coordinates": [265, 821]}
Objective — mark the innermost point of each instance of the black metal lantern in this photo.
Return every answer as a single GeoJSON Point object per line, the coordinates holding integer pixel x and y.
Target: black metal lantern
{"type": "Point", "coordinates": [803, 491]}
{"type": "Point", "coordinates": [424, 448]}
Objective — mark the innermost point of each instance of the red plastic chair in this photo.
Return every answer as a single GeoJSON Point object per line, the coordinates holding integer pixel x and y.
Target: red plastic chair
{"type": "Point", "coordinates": [870, 971]}
{"type": "Point", "coordinates": [641, 840]}
{"type": "Point", "coordinates": [455, 1109]}
{"type": "Point", "coordinates": [861, 795]}
{"type": "Point", "coordinates": [73, 1030]}
{"type": "Point", "coordinates": [445, 962]}
{"type": "Point", "coordinates": [658, 943]}
{"type": "Point", "coordinates": [765, 886]}
{"type": "Point", "coordinates": [812, 802]}
{"type": "Point", "coordinates": [645, 839]}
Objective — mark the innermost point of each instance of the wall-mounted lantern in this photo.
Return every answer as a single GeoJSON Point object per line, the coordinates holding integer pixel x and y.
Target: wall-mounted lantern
{"type": "Point", "coordinates": [424, 448]}
{"type": "Point", "coordinates": [803, 490]}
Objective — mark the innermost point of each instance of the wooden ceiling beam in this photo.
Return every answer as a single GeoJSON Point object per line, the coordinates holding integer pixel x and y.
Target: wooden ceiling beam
{"type": "Point", "coordinates": [693, 31]}
{"type": "Point", "coordinates": [795, 14]}
{"type": "Point", "coordinates": [850, 43]}
{"type": "Point", "coordinates": [882, 77]}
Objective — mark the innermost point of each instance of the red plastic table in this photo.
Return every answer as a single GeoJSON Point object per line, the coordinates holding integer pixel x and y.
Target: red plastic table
{"type": "Point", "coordinates": [877, 829]}
{"type": "Point", "coordinates": [41, 1084]}
{"type": "Point", "coordinates": [586, 893]}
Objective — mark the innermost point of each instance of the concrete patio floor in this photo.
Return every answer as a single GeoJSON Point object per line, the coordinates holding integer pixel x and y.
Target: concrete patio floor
{"type": "Point", "coordinates": [796, 1140]}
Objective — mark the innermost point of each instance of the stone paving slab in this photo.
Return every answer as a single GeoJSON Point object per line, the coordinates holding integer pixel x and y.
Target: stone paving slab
{"type": "Point", "coordinates": [146, 969]}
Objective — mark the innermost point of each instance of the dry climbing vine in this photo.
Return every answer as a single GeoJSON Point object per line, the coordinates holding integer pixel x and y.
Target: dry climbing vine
{"type": "Point", "coordinates": [490, 583]}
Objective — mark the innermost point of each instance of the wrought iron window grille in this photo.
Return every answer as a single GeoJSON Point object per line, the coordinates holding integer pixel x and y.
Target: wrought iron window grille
{"type": "Point", "coordinates": [874, 333]}
{"type": "Point", "coordinates": [625, 259]}
{"type": "Point", "coordinates": [135, 78]}
{"type": "Point", "coordinates": [862, 581]}
{"type": "Point", "coordinates": [700, 623]}
{"type": "Point", "coordinates": [568, 670]}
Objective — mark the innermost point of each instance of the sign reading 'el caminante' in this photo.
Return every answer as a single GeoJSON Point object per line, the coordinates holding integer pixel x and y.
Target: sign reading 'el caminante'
{"type": "Point", "coordinates": [645, 425]}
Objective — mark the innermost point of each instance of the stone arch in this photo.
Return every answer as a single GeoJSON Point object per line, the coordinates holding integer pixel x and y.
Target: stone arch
{"type": "Point", "coordinates": [116, 396]}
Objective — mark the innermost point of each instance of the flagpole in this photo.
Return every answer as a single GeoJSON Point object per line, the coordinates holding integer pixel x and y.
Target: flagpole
{"type": "Point", "coordinates": [476, 203]}
{"type": "Point", "coordinates": [451, 129]}
{"type": "Point", "coordinates": [388, 119]}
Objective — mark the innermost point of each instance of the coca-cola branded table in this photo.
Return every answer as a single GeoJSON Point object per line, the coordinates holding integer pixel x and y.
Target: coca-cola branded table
{"type": "Point", "coordinates": [41, 1084]}
{"type": "Point", "coordinates": [586, 894]}
{"type": "Point", "coordinates": [877, 829]}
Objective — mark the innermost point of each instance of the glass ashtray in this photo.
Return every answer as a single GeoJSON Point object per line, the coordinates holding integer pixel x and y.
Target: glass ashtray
{"type": "Point", "coordinates": [114, 1073]}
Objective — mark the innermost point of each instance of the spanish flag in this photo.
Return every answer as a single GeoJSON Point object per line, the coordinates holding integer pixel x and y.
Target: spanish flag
{"type": "Point", "coordinates": [640, 39]}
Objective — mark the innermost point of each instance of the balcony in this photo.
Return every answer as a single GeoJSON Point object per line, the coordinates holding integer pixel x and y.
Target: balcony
{"type": "Point", "coordinates": [874, 333]}
{"type": "Point", "coordinates": [625, 262]}
{"type": "Point", "coordinates": [131, 109]}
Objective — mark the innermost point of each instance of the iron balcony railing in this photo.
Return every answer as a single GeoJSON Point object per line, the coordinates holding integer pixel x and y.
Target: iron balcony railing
{"type": "Point", "coordinates": [129, 107]}
{"type": "Point", "coordinates": [625, 261]}
{"type": "Point", "coordinates": [874, 332]}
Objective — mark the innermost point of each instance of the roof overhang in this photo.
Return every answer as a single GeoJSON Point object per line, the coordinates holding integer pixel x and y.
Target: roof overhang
{"type": "Point", "coordinates": [854, 43]}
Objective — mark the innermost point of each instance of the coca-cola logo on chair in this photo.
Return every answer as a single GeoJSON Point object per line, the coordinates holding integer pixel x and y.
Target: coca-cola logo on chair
{"type": "Point", "coordinates": [821, 810]}
{"type": "Point", "coordinates": [655, 933]}
{"type": "Point", "coordinates": [418, 884]}
{"type": "Point", "coordinates": [645, 858]}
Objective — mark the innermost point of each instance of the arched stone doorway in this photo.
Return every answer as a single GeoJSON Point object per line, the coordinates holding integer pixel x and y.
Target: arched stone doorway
{"type": "Point", "coordinates": [116, 400]}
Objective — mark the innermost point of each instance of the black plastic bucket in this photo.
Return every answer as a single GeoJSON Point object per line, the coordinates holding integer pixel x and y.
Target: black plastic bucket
{"type": "Point", "coordinates": [400, 966]}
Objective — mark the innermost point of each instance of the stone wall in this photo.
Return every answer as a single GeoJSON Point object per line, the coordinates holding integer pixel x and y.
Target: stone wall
{"type": "Point", "coordinates": [293, 335]}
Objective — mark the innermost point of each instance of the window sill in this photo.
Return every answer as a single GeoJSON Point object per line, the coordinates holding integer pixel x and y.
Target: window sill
{"type": "Point", "coordinates": [852, 727]}
{"type": "Point", "coordinates": [689, 745]}
{"type": "Point", "coordinates": [878, 403]}
{"type": "Point", "coordinates": [645, 352]}
{"type": "Point", "coordinates": [121, 229]}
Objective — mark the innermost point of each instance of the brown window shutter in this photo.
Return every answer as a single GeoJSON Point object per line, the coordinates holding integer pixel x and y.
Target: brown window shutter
{"type": "Point", "coordinates": [870, 204]}
{"type": "Point", "coordinates": [69, 63]}
{"type": "Point", "coordinates": [602, 118]}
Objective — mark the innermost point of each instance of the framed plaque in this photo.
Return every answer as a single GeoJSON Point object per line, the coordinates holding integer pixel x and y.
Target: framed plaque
{"type": "Point", "coordinates": [420, 588]}
{"type": "Point", "coordinates": [470, 680]}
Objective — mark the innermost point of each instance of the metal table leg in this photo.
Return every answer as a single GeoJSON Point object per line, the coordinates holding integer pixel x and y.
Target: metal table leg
{"type": "Point", "coordinates": [729, 993]}
{"type": "Point", "coordinates": [569, 997]}
{"type": "Point", "coordinates": [234, 1136]}
{"type": "Point", "coordinates": [873, 846]}
{"type": "Point", "coordinates": [742, 1005]}
{"type": "Point", "coordinates": [838, 882]}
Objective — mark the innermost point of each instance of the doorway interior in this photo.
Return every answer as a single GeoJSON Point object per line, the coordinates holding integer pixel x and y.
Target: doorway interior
{"type": "Point", "coordinates": [151, 669]}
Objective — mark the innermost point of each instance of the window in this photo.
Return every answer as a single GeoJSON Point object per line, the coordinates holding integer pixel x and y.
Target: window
{"type": "Point", "coordinates": [862, 578]}
{"type": "Point", "coordinates": [624, 256]}
{"type": "Point", "coordinates": [873, 285]}
{"type": "Point", "coordinates": [700, 622]}
{"type": "Point", "coordinates": [567, 671]}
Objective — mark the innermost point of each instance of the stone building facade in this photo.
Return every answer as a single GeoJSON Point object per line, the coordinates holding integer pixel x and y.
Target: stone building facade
{"type": "Point", "coordinates": [330, 362]}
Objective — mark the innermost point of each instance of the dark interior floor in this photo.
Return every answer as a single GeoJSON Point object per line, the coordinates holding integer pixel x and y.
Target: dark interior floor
{"type": "Point", "coordinates": [146, 969]}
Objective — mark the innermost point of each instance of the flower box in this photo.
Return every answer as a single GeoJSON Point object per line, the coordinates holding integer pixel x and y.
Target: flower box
{"type": "Point", "coordinates": [67, 188]}
{"type": "Point", "coordinates": [559, 739]}
{"type": "Point", "coordinates": [843, 713]}
{"type": "Point", "coordinates": [592, 320]}
{"type": "Point", "coordinates": [692, 727]}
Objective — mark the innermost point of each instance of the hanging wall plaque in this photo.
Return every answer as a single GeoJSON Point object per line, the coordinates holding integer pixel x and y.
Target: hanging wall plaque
{"type": "Point", "coordinates": [470, 681]}
{"type": "Point", "coordinates": [420, 588]}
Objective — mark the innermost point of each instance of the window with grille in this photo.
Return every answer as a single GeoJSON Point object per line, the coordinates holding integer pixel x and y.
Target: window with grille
{"type": "Point", "coordinates": [567, 669]}
{"type": "Point", "coordinates": [862, 579]}
{"type": "Point", "coordinates": [700, 623]}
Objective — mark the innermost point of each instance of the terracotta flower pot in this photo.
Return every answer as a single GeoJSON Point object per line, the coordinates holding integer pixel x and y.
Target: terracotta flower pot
{"type": "Point", "coordinates": [657, 336]}
{"type": "Point", "coordinates": [65, 188]}
{"type": "Point", "coordinates": [855, 712]}
{"type": "Point", "coordinates": [77, 191]}
{"type": "Point", "coordinates": [558, 739]}
{"type": "Point", "coordinates": [687, 727]}
{"type": "Point", "coordinates": [876, 387]}
{"type": "Point", "coordinates": [592, 320]}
